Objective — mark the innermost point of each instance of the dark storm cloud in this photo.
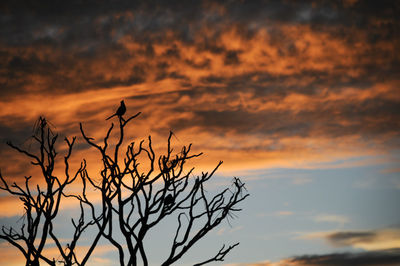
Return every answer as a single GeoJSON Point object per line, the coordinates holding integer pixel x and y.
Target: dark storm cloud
{"type": "Point", "coordinates": [366, 117]}
{"type": "Point", "coordinates": [232, 58]}
{"type": "Point", "coordinates": [365, 120]}
{"type": "Point", "coordinates": [265, 84]}
{"type": "Point", "coordinates": [354, 238]}
{"type": "Point", "coordinates": [24, 17]}
{"type": "Point", "coordinates": [204, 49]}
{"type": "Point", "coordinates": [240, 121]}
{"type": "Point", "coordinates": [94, 27]}
{"type": "Point", "coordinates": [350, 236]}
{"type": "Point", "coordinates": [372, 258]}
{"type": "Point", "coordinates": [20, 135]}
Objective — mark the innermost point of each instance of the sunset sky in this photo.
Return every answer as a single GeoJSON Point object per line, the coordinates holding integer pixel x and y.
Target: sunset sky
{"type": "Point", "coordinates": [300, 99]}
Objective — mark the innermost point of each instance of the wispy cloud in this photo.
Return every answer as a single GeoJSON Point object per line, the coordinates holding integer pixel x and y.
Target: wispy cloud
{"type": "Point", "coordinates": [380, 239]}
{"type": "Point", "coordinates": [331, 218]}
{"type": "Point", "coordinates": [283, 213]}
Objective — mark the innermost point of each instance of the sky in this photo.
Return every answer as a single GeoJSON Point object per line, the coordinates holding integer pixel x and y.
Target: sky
{"type": "Point", "coordinates": [300, 99]}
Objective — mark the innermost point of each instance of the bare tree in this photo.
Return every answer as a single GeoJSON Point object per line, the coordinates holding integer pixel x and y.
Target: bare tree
{"type": "Point", "coordinates": [42, 202]}
{"type": "Point", "coordinates": [140, 197]}
{"type": "Point", "coordinates": [138, 190]}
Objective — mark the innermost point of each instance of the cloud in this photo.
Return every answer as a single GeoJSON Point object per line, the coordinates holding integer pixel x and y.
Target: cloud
{"type": "Point", "coordinates": [10, 255]}
{"type": "Point", "coordinates": [294, 84]}
{"type": "Point", "coordinates": [368, 240]}
{"type": "Point", "coordinates": [283, 213]}
{"type": "Point", "coordinates": [332, 218]}
{"type": "Point", "coordinates": [372, 258]}
{"type": "Point", "coordinates": [262, 80]}
{"type": "Point", "coordinates": [389, 257]}
{"type": "Point", "coordinates": [13, 257]}
{"type": "Point", "coordinates": [10, 207]}
{"type": "Point", "coordinates": [380, 239]}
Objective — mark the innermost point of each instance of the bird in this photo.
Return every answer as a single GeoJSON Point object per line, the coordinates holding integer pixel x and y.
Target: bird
{"type": "Point", "coordinates": [169, 200]}
{"type": "Point", "coordinates": [120, 111]}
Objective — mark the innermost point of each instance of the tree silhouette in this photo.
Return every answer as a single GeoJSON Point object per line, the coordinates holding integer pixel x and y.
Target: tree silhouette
{"type": "Point", "coordinates": [41, 205]}
{"type": "Point", "coordinates": [138, 190]}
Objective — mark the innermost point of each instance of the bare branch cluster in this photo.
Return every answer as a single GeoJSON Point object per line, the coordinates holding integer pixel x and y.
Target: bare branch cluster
{"type": "Point", "coordinates": [41, 205]}
{"type": "Point", "coordinates": [138, 190]}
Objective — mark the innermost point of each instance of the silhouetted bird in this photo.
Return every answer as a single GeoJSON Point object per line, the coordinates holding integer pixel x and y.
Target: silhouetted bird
{"type": "Point", "coordinates": [168, 200]}
{"type": "Point", "coordinates": [120, 111]}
